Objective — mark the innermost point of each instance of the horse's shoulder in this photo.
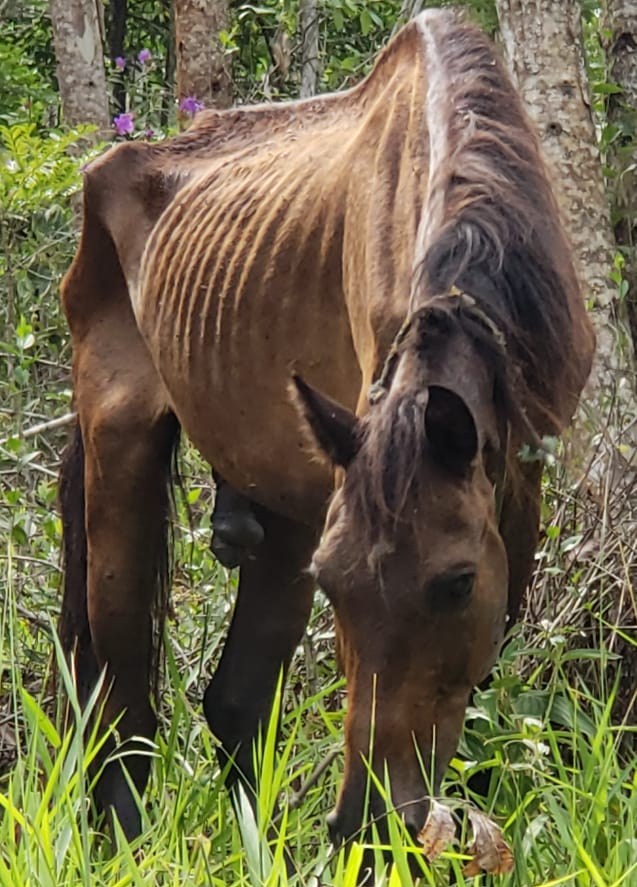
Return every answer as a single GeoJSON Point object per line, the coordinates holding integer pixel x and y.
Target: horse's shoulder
{"type": "Point", "coordinates": [125, 191]}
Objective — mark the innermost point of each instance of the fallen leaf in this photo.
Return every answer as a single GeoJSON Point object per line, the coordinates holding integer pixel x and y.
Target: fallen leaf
{"type": "Point", "coordinates": [438, 831]}
{"type": "Point", "coordinates": [490, 851]}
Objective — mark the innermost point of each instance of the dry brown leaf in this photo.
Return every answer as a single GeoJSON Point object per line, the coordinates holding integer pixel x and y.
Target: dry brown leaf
{"type": "Point", "coordinates": [490, 851]}
{"type": "Point", "coordinates": [438, 831]}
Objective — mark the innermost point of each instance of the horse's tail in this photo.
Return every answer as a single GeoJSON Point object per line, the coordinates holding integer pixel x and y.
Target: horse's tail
{"type": "Point", "coordinates": [73, 627]}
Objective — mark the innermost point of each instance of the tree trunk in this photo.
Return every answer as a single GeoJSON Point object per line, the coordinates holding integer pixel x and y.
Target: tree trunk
{"type": "Point", "coordinates": [621, 24]}
{"type": "Point", "coordinates": [118, 11]}
{"type": "Point", "coordinates": [543, 46]}
{"type": "Point", "coordinates": [77, 36]}
{"type": "Point", "coordinates": [8, 10]}
{"type": "Point", "coordinates": [309, 23]}
{"type": "Point", "coordinates": [202, 67]}
{"type": "Point", "coordinates": [542, 42]}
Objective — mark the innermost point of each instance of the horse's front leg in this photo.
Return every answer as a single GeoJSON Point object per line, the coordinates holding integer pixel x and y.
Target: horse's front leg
{"type": "Point", "coordinates": [271, 612]}
{"type": "Point", "coordinates": [519, 528]}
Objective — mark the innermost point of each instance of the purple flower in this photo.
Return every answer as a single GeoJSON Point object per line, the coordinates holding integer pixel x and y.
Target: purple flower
{"type": "Point", "coordinates": [150, 133]}
{"type": "Point", "coordinates": [120, 62]}
{"type": "Point", "coordinates": [144, 56]}
{"type": "Point", "coordinates": [191, 105]}
{"type": "Point", "coordinates": [124, 124]}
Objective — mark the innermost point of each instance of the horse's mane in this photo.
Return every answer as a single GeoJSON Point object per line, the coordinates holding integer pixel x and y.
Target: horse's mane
{"type": "Point", "coordinates": [491, 224]}
{"type": "Point", "coordinates": [490, 228]}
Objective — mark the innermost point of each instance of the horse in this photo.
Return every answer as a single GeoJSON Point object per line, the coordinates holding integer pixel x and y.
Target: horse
{"type": "Point", "coordinates": [359, 308]}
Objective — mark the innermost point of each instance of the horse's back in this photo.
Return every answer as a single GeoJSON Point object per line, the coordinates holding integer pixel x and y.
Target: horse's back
{"type": "Point", "coordinates": [240, 284]}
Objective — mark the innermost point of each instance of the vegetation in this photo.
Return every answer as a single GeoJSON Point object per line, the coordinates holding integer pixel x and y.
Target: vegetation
{"type": "Point", "coordinates": [555, 731]}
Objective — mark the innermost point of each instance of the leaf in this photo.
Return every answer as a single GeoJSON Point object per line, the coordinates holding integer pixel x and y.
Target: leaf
{"type": "Point", "coordinates": [490, 851]}
{"type": "Point", "coordinates": [366, 23]}
{"type": "Point", "coordinates": [438, 831]}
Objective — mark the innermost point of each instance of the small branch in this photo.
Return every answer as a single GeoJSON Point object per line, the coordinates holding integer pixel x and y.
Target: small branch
{"type": "Point", "coordinates": [297, 799]}
{"type": "Point", "coordinates": [41, 427]}
{"type": "Point", "coordinates": [37, 621]}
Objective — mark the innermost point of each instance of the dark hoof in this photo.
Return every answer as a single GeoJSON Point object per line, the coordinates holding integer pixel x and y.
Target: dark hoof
{"type": "Point", "coordinates": [115, 797]}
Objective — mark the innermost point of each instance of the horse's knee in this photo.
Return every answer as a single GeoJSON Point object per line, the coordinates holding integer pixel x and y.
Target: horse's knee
{"type": "Point", "coordinates": [235, 724]}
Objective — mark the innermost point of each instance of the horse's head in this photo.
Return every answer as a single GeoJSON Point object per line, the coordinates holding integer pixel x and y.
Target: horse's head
{"type": "Point", "coordinates": [412, 561]}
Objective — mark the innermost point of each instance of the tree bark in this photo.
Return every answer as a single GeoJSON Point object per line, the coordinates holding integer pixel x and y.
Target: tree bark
{"type": "Point", "coordinates": [118, 10]}
{"type": "Point", "coordinates": [543, 46]}
{"type": "Point", "coordinates": [309, 23]}
{"type": "Point", "coordinates": [77, 37]}
{"type": "Point", "coordinates": [203, 71]}
{"type": "Point", "coordinates": [620, 22]}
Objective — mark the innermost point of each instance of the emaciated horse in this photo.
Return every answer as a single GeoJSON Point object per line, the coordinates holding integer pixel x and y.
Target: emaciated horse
{"type": "Point", "coordinates": [402, 233]}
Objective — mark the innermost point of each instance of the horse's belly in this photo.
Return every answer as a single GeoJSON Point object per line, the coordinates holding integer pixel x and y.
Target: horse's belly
{"type": "Point", "coordinates": [232, 393]}
{"type": "Point", "coordinates": [251, 434]}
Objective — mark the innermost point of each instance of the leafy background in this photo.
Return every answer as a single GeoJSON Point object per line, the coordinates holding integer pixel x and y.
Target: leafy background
{"type": "Point", "coordinates": [554, 734]}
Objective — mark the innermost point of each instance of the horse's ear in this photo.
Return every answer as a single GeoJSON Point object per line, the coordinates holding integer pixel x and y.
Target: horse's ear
{"type": "Point", "coordinates": [451, 429]}
{"type": "Point", "coordinates": [335, 429]}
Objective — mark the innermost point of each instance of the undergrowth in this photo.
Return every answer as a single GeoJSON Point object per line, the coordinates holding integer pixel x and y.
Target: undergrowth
{"type": "Point", "coordinates": [555, 732]}
{"type": "Point", "coordinates": [563, 781]}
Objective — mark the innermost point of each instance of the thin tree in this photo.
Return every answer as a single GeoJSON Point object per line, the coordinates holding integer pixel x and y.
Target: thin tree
{"type": "Point", "coordinates": [203, 72]}
{"type": "Point", "coordinates": [621, 25]}
{"type": "Point", "coordinates": [543, 46]}
{"type": "Point", "coordinates": [118, 10]}
{"type": "Point", "coordinates": [79, 55]}
{"type": "Point", "coordinates": [543, 43]}
{"type": "Point", "coordinates": [309, 24]}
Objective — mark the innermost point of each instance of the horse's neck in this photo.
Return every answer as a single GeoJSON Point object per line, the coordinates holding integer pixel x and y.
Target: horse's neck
{"type": "Point", "coordinates": [383, 171]}
{"type": "Point", "coordinates": [382, 211]}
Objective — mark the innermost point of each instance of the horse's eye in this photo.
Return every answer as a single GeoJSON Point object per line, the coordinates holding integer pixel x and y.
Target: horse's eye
{"type": "Point", "coordinates": [452, 590]}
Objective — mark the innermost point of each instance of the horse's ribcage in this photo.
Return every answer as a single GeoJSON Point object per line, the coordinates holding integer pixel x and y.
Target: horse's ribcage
{"type": "Point", "coordinates": [253, 269]}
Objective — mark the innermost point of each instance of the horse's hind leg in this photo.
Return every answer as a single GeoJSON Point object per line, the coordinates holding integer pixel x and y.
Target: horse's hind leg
{"type": "Point", "coordinates": [73, 628]}
{"type": "Point", "coordinates": [272, 609]}
{"type": "Point", "coordinates": [128, 437]}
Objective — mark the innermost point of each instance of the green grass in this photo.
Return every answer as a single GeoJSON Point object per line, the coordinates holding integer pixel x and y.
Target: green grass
{"type": "Point", "coordinates": [563, 780]}
{"type": "Point", "coordinates": [554, 731]}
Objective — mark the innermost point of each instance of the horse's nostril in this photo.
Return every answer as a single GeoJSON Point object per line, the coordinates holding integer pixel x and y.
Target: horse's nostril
{"type": "Point", "coordinates": [332, 820]}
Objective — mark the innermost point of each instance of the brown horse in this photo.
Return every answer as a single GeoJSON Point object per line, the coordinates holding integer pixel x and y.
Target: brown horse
{"type": "Point", "coordinates": [402, 232]}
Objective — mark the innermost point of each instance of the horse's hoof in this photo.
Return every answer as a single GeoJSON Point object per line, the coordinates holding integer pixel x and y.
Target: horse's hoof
{"type": "Point", "coordinates": [113, 795]}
